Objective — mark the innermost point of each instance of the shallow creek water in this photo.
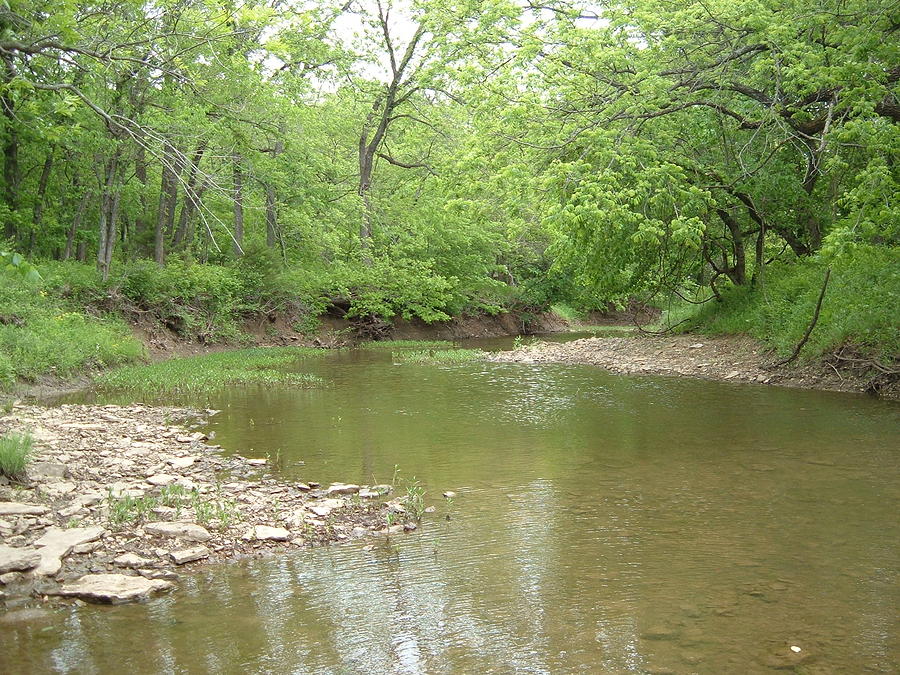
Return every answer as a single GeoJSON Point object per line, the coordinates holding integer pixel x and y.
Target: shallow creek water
{"type": "Point", "coordinates": [602, 524]}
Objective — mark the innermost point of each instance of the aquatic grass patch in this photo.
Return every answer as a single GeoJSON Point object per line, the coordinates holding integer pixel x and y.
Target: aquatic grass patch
{"type": "Point", "coordinates": [407, 344]}
{"type": "Point", "coordinates": [439, 356]}
{"type": "Point", "coordinates": [15, 453]}
{"type": "Point", "coordinates": [213, 372]}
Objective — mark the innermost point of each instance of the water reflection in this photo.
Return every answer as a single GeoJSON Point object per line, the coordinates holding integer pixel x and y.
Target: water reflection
{"type": "Point", "coordinates": [603, 524]}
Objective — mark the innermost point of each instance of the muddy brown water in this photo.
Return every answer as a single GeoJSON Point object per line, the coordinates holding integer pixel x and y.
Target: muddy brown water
{"type": "Point", "coordinates": [602, 524]}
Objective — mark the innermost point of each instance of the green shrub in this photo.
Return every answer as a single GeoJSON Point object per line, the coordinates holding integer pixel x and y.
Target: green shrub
{"type": "Point", "coordinates": [7, 372]}
{"type": "Point", "coordinates": [860, 305]}
{"type": "Point", "coordinates": [15, 453]}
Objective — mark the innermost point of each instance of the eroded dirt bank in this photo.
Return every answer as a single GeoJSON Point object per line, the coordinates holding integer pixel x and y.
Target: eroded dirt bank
{"type": "Point", "coordinates": [119, 499]}
{"type": "Point", "coordinates": [712, 358]}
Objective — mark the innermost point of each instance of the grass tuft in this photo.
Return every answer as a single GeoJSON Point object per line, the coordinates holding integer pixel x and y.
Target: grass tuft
{"type": "Point", "coordinates": [212, 372]}
{"type": "Point", "coordinates": [15, 453]}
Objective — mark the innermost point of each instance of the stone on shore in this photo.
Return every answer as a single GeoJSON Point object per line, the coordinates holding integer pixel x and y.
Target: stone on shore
{"type": "Point", "coordinates": [18, 509]}
{"type": "Point", "coordinates": [113, 589]}
{"type": "Point", "coordinates": [325, 507]}
{"type": "Point", "coordinates": [162, 479]}
{"type": "Point", "coordinates": [268, 533]}
{"type": "Point", "coordinates": [47, 470]}
{"type": "Point", "coordinates": [187, 555]}
{"type": "Point", "coordinates": [17, 559]}
{"type": "Point", "coordinates": [187, 531]}
{"type": "Point", "coordinates": [182, 462]}
{"type": "Point", "coordinates": [343, 489]}
{"type": "Point", "coordinates": [58, 543]}
{"type": "Point", "coordinates": [132, 560]}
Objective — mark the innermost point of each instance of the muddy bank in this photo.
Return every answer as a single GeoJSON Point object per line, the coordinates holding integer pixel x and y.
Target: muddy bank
{"type": "Point", "coordinates": [119, 500]}
{"type": "Point", "coordinates": [732, 358]}
{"type": "Point", "coordinates": [334, 332]}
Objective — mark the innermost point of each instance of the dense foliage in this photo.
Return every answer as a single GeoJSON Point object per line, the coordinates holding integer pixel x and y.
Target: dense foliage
{"type": "Point", "coordinates": [201, 161]}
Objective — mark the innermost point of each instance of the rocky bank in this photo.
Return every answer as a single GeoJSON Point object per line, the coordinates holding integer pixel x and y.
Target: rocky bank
{"type": "Point", "coordinates": [119, 500]}
{"type": "Point", "coordinates": [733, 358]}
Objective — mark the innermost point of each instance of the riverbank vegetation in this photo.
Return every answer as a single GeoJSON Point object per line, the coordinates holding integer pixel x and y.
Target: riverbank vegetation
{"type": "Point", "coordinates": [423, 160]}
{"type": "Point", "coordinates": [212, 372]}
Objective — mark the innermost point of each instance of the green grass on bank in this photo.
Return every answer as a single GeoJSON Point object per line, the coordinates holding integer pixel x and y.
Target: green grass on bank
{"type": "Point", "coordinates": [438, 356]}
{"type": "Point", "coordinates": [212, 372]}
{"type": "Point", "coordinates": [40, 335]}
{"type": "Point", "coordinates": [860, 306]}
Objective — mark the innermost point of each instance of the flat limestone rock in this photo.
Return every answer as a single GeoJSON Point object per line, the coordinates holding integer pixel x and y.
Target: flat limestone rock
{"type": "Point", "coordinates": [268, 533]}
{"type": "Point", "coordinates": [15, 559]}
{"type": "Point", "coordinates": [187, 555]}
{"type": "Point", "coordinates": [188, 531]}
{"type": "Point", "coordinates": [48, 470]}
{"type": "Point", "coordinates": [132, 560]}
{"type": "Point", "coordinates": [57, 543]}
{"type": "Point", "coordinates": [113, 589]}
{"type": "Point", "coordinates": [343, 489]}
{"type": "Point", "coordinates": [18, 509]}
{"type": "Point", "coordinates": [162, 479]}
{"type": "Point", "coordinates": [182, 462]}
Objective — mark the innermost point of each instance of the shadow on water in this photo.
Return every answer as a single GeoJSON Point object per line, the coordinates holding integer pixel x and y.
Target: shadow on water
{"type": "Point", "coordinates": [602, 524]}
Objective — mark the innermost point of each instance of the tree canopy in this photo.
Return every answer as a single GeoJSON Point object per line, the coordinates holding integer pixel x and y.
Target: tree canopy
{"type": "Point", "coordinates": [432, 158]}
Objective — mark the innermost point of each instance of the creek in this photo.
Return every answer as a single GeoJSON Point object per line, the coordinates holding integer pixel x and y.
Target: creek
{"type": "Point", "coordinates": [601, 524]}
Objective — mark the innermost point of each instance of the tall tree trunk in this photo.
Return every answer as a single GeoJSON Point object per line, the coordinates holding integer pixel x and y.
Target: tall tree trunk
{"type": "Point", "coordinates": [737, 270]}
{"type": "Point", "coordinates": [366, 161]}
{"type": "Point", "coordinates": [109, 212]}
{"type": "Point", "coordinates": [76, 224]}
{"type": "Point", "coordinates": [238, 175]}
{"type": "Point", "coordinates": [11, 174]}
{"type": "Point", "coordinates": [272, 197]}
{"type": "Point", "coordinates": [191, 201]}
{"type": "Point", "coordinates": [37, 215]}
{"type": "Point", "coordinates": [141, 221]}
{"type": "Point", "coordinates": [168, 194]}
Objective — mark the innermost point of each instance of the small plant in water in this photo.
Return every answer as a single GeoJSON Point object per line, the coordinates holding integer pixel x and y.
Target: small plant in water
{"type": "Point", "coordinates": [15, 453]}
{"type": "Point", "coordinates": [414, 501]}
{"type": "Point", "coordinates": [518, 342]}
